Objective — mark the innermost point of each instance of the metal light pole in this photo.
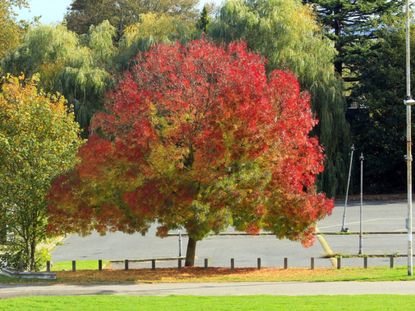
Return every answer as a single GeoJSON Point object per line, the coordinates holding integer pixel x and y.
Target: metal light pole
{"type": "Point", "coordinates": [180, 243]}
{"type": "Point", "coordinates": [409, 102]}
{"type": "Point", "coordinates": [361, 158]}
{"type": "Point", "coordinates": [343, 229]}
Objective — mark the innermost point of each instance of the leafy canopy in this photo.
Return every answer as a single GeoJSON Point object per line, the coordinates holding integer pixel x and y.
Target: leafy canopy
{"type": "Point", "coordinates": [197, 136]}
{"type": "Point", "coordinates": [38, 141]}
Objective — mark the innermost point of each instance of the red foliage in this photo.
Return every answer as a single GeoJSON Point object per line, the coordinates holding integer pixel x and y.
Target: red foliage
{"type": "Point", "coordinates": [191, 135]}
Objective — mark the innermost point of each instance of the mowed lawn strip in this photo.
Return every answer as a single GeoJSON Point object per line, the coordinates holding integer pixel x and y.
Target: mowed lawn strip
{"type": "Point", "coordinates": [80, 265]}
{"type": "Point", "coordinates": [240, 303]}
{"type": "Point", "coordinates": [224, 275]}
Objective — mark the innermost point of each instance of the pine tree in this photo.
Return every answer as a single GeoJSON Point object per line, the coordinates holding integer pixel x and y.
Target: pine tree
{"type": "Point", "coordinates": [203, 21]}
{"type": "Point", "coordinates": [352, 25]}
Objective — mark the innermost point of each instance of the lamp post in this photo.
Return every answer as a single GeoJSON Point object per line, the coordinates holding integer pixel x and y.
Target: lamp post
{"type": "Point", "coordinates": [361, 158]}
{"type": "Point", "coordinates": [408, 103]}
{"type": "Point", "coordinates": [344, 229]}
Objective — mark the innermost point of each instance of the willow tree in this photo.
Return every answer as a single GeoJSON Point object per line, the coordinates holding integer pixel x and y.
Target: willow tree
{"type": "Point", "coordinates": [286, 33]}
{"type": "Point", "coordinates": [78, 69]}
{"type": "Point", "coordinates": [153, 28]}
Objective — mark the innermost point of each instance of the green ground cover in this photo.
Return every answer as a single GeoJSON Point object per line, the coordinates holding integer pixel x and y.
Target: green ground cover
{"type": "Point", "coordinates": [187, 303]}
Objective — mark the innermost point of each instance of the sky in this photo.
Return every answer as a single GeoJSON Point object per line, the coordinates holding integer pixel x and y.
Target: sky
{"type": "Point", "coordinates": [52, 11]}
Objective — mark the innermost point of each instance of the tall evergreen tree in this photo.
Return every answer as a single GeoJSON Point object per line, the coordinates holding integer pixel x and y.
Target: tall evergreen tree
{"type": "Point", "coordinates": [203, 21]}
{"type": "Point", "coordinates": [379, 129]}
{"type": "Point", "coordinates": [286, 33]}
{"type": "Point", "coordinates": [352, 25]}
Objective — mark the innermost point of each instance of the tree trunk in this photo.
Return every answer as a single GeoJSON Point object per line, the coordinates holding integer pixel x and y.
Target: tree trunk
{"type": "Point", "coordinates": [32, 259]}
{"type": "Point", "coordinates": [190, 252]}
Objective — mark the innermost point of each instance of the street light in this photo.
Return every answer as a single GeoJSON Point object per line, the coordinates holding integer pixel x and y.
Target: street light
{"type": "Point", "coordinates": [344, 229]}
{"type": "Point", "coordinates": [361, 158]}
{"type": "Point", "coordinates": [409, 102]}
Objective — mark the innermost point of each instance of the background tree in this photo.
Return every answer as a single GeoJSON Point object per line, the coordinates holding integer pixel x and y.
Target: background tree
{"type": "Point", "coordinates": [380, 129]}
{"type": "Point", "coordinates": [203, 20]}
{"type": "Point", "coordinates": [38, 141]}
{"type": "Point", "coordinates": [152, 29]}
{"type": "Point", "coordinates": [122, 13]}
{"type": "Point", "coordinates": [286, 33]}
{"type": "Point", "coordinates": [352, 26]}
{"type": "Point", "coordinates": [198, 137]}
{"type": "Point", "coordinates": [10, 30]}
{"type": "Point", "coordinates": [80, 69]}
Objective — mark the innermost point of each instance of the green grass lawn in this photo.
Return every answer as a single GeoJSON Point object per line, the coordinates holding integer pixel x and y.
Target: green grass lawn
{"type": "Point", "coordinates": [80, 265]}
{"type": "Point", "coordinates": [186, 303]}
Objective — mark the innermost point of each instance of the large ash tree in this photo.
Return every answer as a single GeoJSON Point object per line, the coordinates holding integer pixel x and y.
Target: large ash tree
{"type": "Point", "coordinates": [197, 137]}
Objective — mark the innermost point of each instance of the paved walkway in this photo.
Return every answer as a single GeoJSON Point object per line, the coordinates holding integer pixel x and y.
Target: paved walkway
{"type": "Point", "coordinates": [214, 289]}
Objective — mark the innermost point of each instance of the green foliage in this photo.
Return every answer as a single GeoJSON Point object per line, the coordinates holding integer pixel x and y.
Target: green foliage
{"type": "Point", "coordinates": [83, 14]}
{"type": "Point", "coordinates": [380, 129]}
{"type": "Point", "coordinates": [10, 31]}
{"type": "Point", "coordinates": [153, 28]}
{"type": "Point", "coordinates": [285, 32]}
{"type": "Point", "coordinates": [352, 26]}
{"type": "Point", "coordinates": [203, 21]}
{"type": "Point", "coordinates": [38, 141]}
{"type": "Point", "coordinates": [78, 68]}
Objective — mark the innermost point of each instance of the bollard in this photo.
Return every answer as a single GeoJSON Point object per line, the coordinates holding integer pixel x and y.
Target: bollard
{"type": "Point", "coordinates": [258, 263]}
{"type": "Point", "coordinates": [312, 263]}
{"type": "Point", "coordinates": [365, 262]}
{"type": "Point", "coordinates": [179, 263]}
{"type": "Point", "coordinates": [339, 262]}
{"type": "Point", "coordinates": [206, 263]}
{"type": "Point", "coordinates": [73, 265]}
{"type": "Point", "coordinates": [126, 264]}
{"type": "Point", "coordinates": [100, 265]}
{"type": "Point", "coordinates": [153, 264]}
{"type": "Point", "coordinates": [285, 263]}
{"type": "Point", "coordinates": [391, 263]}
{"type": "Point", "coordinates": [232, 263]}
{"type": "Point", "coordinates": [48, 266]}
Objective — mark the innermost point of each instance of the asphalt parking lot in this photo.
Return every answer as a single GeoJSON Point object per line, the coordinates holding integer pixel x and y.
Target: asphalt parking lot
{"type": "Point", "coordinates": [377, 217]}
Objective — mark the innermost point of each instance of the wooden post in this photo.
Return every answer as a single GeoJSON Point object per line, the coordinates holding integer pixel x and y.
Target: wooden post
{"type": "Point", "coordinates": [100, 265]}
{"type": "Point", "coordinates": [258, 263]}
{"type": "Point", "coordinates": [153, 264]}
{"type": "Point", "coordinates": [206, 263]}
{"type": "Point", "coordinates": [126, 267]}
{"type": "Point", "coordinates": [232, 263]}
{"type": "Point", "coordinates": [48, 266]}
{"type": "Point", "coordinates": [285, 263]}
{"type": "Point", "coordinates": [365, 262]}
{"type": "Point", "coordinates": [312, 263]}
{"type": "Point", "coordinates": [391, 263]}
{"type": "Point", "coordinates": [339, 262]}
{"type": "Point", "coordinates": [73, 265]}
{"type": "Point", "coordinates": [179, 263]}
